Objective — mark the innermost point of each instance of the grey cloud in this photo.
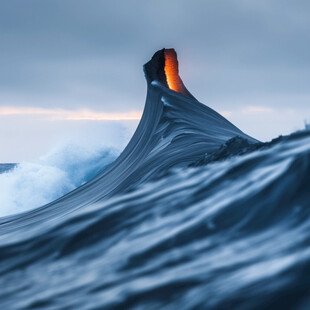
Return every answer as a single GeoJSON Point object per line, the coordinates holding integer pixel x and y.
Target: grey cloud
{"type": "Point", "coordinates": [90, 53]}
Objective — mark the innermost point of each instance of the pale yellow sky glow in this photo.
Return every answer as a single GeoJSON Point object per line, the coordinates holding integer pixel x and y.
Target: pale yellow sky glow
{"type": "Point", "coordinates": [62, 114]}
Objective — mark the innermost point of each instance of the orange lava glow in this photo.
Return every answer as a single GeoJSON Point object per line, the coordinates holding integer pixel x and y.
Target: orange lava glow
{"type": "Point", "coordinates": [172, 71]}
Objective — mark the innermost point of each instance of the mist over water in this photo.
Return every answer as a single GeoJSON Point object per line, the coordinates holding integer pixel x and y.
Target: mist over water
{"type": "Point", "coordinates": [31, 184]}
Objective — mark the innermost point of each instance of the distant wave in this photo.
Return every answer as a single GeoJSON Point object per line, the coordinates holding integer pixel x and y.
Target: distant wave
{"type": "Point", "coordinates": [193, 214]}
{"type": "Point", "coordinates": [6, 167]}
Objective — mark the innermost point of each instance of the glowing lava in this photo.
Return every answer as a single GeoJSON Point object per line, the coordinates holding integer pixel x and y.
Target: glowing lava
{"type": "Point", "coordinates": [172, 72]}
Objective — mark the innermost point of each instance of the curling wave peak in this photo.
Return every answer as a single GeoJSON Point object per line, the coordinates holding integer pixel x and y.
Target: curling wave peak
{"type": "Point", "coordinates": [193, 214]}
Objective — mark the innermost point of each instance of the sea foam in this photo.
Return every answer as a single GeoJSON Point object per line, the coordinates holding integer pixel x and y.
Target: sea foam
{"type": "Point", "coordinates": [35, 183]}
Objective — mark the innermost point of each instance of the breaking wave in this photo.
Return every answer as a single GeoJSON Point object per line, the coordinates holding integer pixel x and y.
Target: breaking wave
{"type": "Point", "coordinates": [32, 184]}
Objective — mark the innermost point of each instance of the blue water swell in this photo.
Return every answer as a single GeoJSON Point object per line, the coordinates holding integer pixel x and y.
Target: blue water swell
{"type": "Point", "coordinates": [194, 214]}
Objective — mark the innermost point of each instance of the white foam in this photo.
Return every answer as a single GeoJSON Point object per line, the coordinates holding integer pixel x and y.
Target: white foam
{"type": "Point", "coordinates": [33, 184]}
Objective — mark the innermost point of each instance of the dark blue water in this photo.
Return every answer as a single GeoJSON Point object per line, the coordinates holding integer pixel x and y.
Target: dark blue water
{"type": "Point", "coordinates": [194, 214]}
{"type": "Point", "coordinates": [6, 167]}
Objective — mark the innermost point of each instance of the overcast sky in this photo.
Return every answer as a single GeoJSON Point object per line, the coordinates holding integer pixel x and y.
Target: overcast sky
{"type": "Point", "coordinates": [246, 59]}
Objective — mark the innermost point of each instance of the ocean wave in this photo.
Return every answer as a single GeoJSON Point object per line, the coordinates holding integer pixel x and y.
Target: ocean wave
{"type": "Point", "coordinates": [193, 214]}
